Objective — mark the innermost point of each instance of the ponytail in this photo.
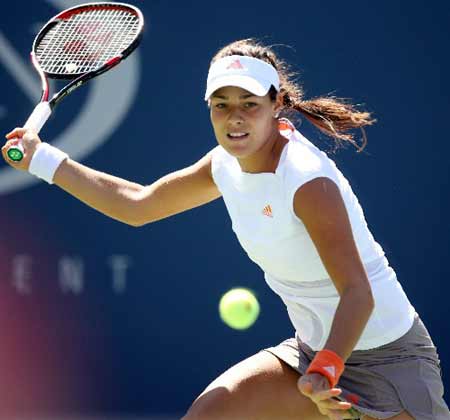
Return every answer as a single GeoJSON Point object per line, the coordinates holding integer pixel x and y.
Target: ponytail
{"type": "Point", "coordinates": [333, 116]}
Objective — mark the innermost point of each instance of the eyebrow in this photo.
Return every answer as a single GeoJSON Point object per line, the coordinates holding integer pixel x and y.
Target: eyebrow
{"type": "Point", "coordinates": [247, 95]}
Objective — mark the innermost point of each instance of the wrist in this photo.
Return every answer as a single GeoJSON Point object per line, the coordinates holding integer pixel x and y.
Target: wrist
{"type": "Point", "coordinates": [329, 364]}
{"type": "Point", "coordinates": [45, 161]}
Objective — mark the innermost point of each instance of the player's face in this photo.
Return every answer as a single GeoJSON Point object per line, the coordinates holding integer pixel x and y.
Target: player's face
{"type": "Point", "coordinates": [243, 123]}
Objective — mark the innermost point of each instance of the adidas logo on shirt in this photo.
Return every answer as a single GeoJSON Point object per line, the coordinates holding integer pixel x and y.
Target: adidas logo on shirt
{"type": "Point", "coordinates": [267, 211]}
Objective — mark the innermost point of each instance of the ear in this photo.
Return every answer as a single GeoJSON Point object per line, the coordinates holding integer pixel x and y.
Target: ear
{"type": "Point", "coordinates": [278, 105]}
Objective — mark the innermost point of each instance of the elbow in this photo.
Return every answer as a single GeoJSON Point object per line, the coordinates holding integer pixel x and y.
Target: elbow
{"type": "Point", "coordinates": [134, 223]}
{"type": "Point", "coordinates": [134, 220]}
{"type": "Point", "coordinates": [138, 223]}
{"type": "Point", "coordinates": [369, 299]}
{"type": "Point", "coordinates": [365, 295]}
{"type": "Point", "coordinates": [361, 294]}
{"type": "Point", "coordinates": [372, 299]}
{"type": "Point", "coordinates": [369, 294]}
{"type": "Point", "coordinates": [133, 214]}
{"type": "Point", "coordinates": [371, 302]}
{"type": "Point", "coordinates": [127, 220]}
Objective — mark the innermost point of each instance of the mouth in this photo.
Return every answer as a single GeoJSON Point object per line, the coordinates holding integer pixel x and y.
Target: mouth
{"type": "Point", "coordinates": [237, 136]}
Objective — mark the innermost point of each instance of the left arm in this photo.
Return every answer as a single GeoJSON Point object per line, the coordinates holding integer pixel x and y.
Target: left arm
{"type": "Point", "coordinates": [321, 208]}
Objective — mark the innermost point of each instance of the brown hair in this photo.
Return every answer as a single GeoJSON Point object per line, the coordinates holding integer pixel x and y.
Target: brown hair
{"type": "Point", "coordinates": [331, 115]}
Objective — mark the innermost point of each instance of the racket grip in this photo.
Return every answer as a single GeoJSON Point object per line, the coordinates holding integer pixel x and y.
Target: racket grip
{"type": "Point", "coordinates": [38, 117]}
{"type": "Point", "coordinates": [35, 121]}
{"type": "Point", "coordinates": [15, 153]}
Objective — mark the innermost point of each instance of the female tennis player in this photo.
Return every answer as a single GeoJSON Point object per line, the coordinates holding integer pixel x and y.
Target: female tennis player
{"type": "Point", "coordinates": [360, 349]}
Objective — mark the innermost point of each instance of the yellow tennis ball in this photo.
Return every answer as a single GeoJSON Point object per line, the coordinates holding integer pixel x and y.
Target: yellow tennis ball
{"type": "Point", "coordinates": [239, 308]}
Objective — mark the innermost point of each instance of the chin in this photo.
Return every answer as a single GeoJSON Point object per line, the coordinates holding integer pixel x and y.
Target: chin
{"type": "Point", "coordinates": [238, 155]}
{"type": "Point", "coordinates": [237, 150]}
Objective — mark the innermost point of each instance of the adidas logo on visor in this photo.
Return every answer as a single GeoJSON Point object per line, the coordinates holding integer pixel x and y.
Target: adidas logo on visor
{"type": "Point", "coordinates": [248, 73]}
{"type": "Point", "coordinates": [235, 65]}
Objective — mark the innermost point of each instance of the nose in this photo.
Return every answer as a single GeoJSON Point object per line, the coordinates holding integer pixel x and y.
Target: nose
{"type": "Point", "coordinates": [235, 117]}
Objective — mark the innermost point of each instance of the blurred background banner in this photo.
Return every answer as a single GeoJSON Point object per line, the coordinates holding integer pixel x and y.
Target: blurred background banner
{"type": "Point", "coordinates": [102, 320]}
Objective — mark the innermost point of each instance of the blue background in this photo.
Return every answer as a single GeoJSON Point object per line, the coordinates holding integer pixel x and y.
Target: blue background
{"type": "Point", "coordinates": [152, 348]}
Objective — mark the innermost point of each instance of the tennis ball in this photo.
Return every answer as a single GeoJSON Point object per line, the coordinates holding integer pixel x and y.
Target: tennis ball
{"type": "Point", "coordinates": [239, 308]}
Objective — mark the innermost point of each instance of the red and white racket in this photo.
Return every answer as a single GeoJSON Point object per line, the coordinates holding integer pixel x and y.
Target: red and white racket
{"type": "Point", "coordinates": [78, 44]}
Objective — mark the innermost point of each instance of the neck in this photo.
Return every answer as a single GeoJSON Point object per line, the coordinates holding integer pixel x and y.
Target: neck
{"type": "Point", "coordinates": [266, 159]}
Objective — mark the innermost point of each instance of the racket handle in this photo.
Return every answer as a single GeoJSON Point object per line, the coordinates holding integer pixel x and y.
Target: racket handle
{"type": "Point", "coordinates": [15, 153]}
{"type": "Point", "coordinates": [35, 121]}
{"type": "Point", "coordinates": [38, 117]}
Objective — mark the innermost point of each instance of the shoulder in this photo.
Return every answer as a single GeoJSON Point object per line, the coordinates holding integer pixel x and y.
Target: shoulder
{"type": "Point", "coordinates": [220, 158]}
{"type": "Point", "coordinates": [219, 154]}
{"type": "Point", "coordinates": [222, 164]}
{"type": "Point", "coordinates": [302, 156]}
{"type": "Point", "coordinates": [320, 195]}
{"type": "Point", "coordinates": [305, 162]}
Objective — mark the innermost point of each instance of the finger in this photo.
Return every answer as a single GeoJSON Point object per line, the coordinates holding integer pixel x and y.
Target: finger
{"type": "Point", "coordinates": [17, 132]}
{"type": "Point", "coordinates": [332, 404]}
{"type": "Point", "coordinates": [6, 147]}
{"type": "Point", "coordinates": [306, 388]}
{"type": "Point", "coordinates": [326, 394]}
{"type": "Point", "coordinates": [10, 143]}
{"type": "Point", "coordinates": [4, 150]}
{"type": "Point", "coordinates": [339, 415]}
{"type": "Point", "coordinates": [29, 135]}
{"type": "Point", "coordinates": [335, 416]}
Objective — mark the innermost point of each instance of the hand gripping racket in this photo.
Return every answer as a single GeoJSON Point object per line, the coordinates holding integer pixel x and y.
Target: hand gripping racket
{"type": "Point", "coordinates": [78, 44]}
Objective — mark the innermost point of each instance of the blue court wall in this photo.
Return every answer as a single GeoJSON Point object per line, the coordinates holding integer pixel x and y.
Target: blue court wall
{"type": "Point", "coordinates": [99, 317]}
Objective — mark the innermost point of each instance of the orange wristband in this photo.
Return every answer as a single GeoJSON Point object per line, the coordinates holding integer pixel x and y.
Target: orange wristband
{"type": "Point", "coordinates": [328, 364]}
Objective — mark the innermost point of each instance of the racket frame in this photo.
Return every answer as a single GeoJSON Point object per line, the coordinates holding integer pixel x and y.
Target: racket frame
{"type": "Point", "coordinates": [44, 108]}
{"type": "Point", "coordinates": [79, 80]}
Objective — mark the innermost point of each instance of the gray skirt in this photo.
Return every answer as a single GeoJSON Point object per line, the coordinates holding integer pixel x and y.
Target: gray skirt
{"type": "Point", "coordinates": [382, 382]}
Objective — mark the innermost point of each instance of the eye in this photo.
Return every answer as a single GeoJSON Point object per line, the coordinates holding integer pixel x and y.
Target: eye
{"type": "Point", "coordinates": [220, 105]}
{"type": "Point", "coordinates": [250, 104]}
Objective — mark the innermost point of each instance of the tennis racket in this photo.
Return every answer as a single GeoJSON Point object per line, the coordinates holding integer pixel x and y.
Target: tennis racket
{"type": "Point", "coordinates": [79, 44]}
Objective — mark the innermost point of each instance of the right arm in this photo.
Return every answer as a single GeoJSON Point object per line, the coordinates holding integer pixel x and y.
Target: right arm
{"type": "Point", "coordinates": [126, 201]}
{"type": "Point", "coordinates": [135, 204]}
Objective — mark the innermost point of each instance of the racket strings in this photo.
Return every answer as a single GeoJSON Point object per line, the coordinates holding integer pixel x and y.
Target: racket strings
{"type": "Point", "coordinates": [86, 40]}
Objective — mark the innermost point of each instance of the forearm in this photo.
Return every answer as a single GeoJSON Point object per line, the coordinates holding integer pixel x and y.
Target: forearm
{"type": "Point", "coordinates": [112, 196]}
{"type": "Point", "coordinates": [353, 312]}
{"type": "Point", "coordinates": [117, 198]}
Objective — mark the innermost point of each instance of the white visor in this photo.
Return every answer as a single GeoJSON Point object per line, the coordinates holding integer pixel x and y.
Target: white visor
{"type": "Point", "coordinates": [248, 73]}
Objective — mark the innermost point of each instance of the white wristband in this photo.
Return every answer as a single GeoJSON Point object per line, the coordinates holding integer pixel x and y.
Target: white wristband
{"type": "Point", "coordinates": [45, 161]}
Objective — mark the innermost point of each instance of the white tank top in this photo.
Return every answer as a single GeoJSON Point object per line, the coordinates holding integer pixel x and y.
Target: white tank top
{"type": "Point", "coordinates": [263, 219]}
